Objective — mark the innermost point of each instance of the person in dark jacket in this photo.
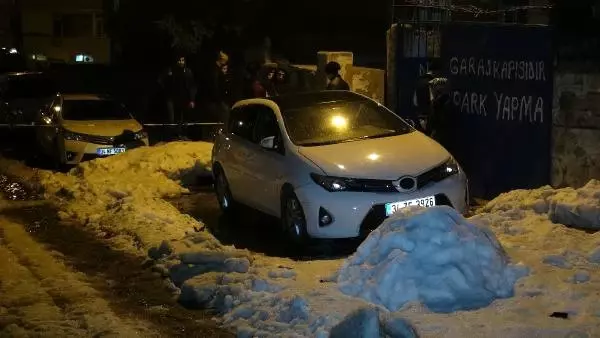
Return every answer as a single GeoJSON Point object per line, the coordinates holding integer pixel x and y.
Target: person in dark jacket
{"type": "Point", "coordinates": [268, 79]}
{"type": "Point", "coordinates": [335, 81]}
{"type": "Point", "coordinates": [217, 89]}
{"type": "Point", "coordinates": [432, 97]}
{"type": "Point", "coordinates": [180, 91]}
{"type": "Point", "coordinates": [253, 86]}
{"type": "Point", "coordinates": [282, 82]}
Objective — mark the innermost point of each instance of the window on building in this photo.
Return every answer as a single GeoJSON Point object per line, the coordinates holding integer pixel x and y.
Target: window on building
{"type": "Point", "coordinates": [77, 25]}
{"type": "Point", "coordinates": [99, 25]}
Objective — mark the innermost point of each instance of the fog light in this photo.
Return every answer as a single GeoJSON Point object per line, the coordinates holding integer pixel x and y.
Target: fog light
{"type": "Point", "coordinates": [325, 217]}
{"type": "Point", "coordinates": [70, 155]}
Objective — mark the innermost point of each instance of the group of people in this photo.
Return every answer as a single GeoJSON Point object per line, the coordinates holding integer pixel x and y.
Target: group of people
{"type": "Point", "coordinates": [180, 89]}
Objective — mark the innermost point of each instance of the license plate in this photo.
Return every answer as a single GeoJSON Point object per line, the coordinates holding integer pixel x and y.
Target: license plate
{"type": "Point", "coordinates": [109, 151]}
{"type": "Point", "coordinates": [426, 202]}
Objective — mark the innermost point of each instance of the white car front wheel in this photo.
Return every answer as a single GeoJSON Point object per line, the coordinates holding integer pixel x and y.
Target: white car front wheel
{"type": "Point", "coordinates": [293, 220]}
{"type": "Point", "coordinates": [223, 192]}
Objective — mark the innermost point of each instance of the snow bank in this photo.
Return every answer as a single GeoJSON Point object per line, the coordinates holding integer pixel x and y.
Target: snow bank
{"type": "Point", "coordinates": [433, 256]}
{"type": "Point", "coordinates": [573, 207]}
{"type": "Point", "coordinates": [121, 197]}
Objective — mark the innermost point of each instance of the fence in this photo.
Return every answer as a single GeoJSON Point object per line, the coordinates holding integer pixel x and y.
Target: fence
{"type": "Point", "coordinates": [500, 114]}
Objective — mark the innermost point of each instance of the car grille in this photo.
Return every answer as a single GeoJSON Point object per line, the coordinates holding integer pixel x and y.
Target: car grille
{"type": "Point", "coordinates": [371, 185]}
{"type": "Point", "coordinates": [128, 138]}
{"type": "Point", "coordinates": [98, 139]}
{"type": "Point", "coordinates": [376, 215]}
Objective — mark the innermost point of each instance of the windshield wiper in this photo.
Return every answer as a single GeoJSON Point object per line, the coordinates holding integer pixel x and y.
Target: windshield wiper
{"type": "Point", "coordinates": [324, 143]}
{"type": "Point", "coordinates": [395, 133]}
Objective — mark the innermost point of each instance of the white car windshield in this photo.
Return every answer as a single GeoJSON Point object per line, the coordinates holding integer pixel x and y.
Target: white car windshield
{"type": "Point", "coordinates": [341, 121]}
{"type": "Point", "coordinates": [82, 110]}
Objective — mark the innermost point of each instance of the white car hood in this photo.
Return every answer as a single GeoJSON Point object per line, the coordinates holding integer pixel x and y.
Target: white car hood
{"type": "Point", "coordinates": [382, 158]}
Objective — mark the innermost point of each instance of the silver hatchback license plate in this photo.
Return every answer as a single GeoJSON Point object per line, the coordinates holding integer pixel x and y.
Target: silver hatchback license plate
{"type": "Point", "coordinates": [109, 151]}
{"type": "Point", "coordinates": [391, 208]}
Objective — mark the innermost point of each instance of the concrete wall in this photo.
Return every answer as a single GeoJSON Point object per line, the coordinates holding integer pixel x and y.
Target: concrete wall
{"type": "Point", "coordinates": [367, 81]}
{"type": "Point", "coordinates": [576, 130]}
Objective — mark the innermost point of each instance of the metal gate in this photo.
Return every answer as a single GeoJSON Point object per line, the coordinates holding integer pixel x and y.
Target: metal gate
{"type": "Point", "coordinates": [501, 80]}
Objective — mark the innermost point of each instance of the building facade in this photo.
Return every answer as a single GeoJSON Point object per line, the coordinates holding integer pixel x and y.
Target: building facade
{"type": "Point", "coordinates": [65, 30]}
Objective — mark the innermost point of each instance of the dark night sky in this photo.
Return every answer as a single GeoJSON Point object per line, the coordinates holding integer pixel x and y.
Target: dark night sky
{"type": "Point", "coordinates": [301, 28]}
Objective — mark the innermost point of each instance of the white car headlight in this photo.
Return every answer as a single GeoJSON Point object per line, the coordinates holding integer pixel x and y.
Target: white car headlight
{"type": "Point", "coordinates": [450, 168]}
{"type": "Point", "coordinates": [142, 134]}
{"type": "Point", "coordinates": [71, 136]}
{"type": "Point", "coordinates": [331, 183]}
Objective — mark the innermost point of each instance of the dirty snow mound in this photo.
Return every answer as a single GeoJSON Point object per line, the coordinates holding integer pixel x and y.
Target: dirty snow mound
{"type": "Point", "coordinates": [568, 206]}
{"type": "Point", "coordinates": [120, 197]}
{"type": "Point", "coordinates": [434, 256]}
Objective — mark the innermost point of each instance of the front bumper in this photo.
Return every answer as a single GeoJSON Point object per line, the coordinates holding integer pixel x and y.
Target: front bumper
{"type": "Point", "coordinates": [356, 214]}
{"type": "Point", "coordinates": [78, 151]}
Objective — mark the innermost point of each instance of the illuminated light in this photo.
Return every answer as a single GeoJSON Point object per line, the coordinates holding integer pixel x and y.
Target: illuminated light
{"type": "Point", "coordinates": [449, 169]}
{"type": "Point", "coordinates": [339, 122]}
{"type": "Point", "coordinates": [341, 166]}
{"type": "Point", "coordinates": [13, 51]}
{"type": "Point", "coordinates": [373, 157]}
{"type": "Point", "coordinates": [57, 109]}
{"type": "Point", "coordinates": [336, 186]}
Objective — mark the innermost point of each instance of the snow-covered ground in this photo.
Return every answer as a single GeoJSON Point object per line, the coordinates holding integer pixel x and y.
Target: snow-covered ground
{"type": "Point", "coordinates": [504, 270]}
{"type": "Point", "coordinates": [41, 297]}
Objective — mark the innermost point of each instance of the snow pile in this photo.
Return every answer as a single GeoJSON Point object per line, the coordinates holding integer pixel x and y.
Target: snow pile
{"type": "Point", "coordinates": [433, 256]}
{"type": "Point", "coordinates": [572, 207]}
{"type": "Point", "coordinates": [121, 197]}
{"type": "Point", "coordinates": [428, 257]}
{"type": "Point", "coordinates": [261, 296]}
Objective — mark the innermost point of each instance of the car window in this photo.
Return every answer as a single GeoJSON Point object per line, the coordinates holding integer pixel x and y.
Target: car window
{"type": "Point", "coordinates": [341, 121]}
{"type": "Point", "coordinates": [242, 121]}
{"type": "Point", "coordinates": [82, 110]}
{"type": "Point", "coordinates": [266, 124]}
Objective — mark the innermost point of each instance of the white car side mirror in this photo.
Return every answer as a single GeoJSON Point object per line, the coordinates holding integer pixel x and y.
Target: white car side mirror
{"type": "Point", "coordinates": [268, 143]}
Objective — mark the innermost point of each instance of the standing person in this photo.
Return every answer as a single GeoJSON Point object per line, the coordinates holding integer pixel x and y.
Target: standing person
{"type": "Point", "coordinates": [268, 81]}
{"type": "Point", "coordinates": [180, 91]}
{"type": "Point", "coordinates": [432, 97]}
{"type": "Point", "coordinates": [226, 86]}
{"type": "Point", "coordinates": [217, 91]}
{"type": "Point", "coordinates": [335, 81]}
{"type": "Point", "coordinates": [282, 84]}
{"type": "Point", "coordinates": [254, 87]}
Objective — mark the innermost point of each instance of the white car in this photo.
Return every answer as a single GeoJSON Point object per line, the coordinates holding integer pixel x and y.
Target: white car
{"type": "Point", "coordinates": [80, 127]}
{"type": "Point", "coordinates": [332, 164]}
